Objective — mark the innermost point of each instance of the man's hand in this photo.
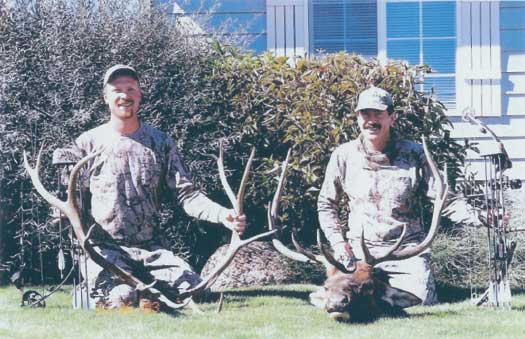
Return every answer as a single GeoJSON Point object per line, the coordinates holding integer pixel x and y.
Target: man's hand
{"type": "Point", "coordinates": [234, 222]}
{"type": "Point", "coordinates": [343, 253]}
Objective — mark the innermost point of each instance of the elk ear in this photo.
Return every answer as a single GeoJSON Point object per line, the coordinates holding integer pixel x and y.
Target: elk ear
{"type": "Point", "coordinates": [399, 298]}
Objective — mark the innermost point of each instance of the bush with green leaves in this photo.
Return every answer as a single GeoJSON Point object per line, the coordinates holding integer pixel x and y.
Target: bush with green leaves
{"type": "Point", "coordinates": [310, 109]}
{"type": "Point", "coordinates": [53, 58]}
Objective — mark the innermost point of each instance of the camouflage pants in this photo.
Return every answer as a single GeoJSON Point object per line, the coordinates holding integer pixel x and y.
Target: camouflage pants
{"type": "Point", "coordinates": [416, 274]}
{"type": "Point", "coordinates": [416, 277]}
{"type": "Point", "coordinates": [107, 290]}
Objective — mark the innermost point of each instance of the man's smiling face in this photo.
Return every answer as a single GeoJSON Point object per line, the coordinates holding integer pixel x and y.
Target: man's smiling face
{"type": "Point", "coordinates": [123, 97]}
{"type": "Point", "coordinates": [375, 124]}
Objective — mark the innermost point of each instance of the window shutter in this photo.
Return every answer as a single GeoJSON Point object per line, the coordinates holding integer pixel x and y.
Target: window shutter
{"type": "Point", "coordinates": [287, 27]}
{"type": "Point", "coordinates": [478, 65]}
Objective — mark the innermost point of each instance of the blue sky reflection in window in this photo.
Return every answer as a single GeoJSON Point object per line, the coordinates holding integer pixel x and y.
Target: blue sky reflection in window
{"type": "Point", "coordinates": [424, 32]}
{"type": "Point", "coordinates": [343, 25]}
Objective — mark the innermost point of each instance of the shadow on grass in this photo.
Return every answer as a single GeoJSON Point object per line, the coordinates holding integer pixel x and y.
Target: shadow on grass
{"type": "Point", "coordinates": [435, 313]}
{"type": "Point", "coordinates": [446, 294]}
{"type": "Point", "coordinates": [242, 295]}
{"type": "Point", "coordinates": [451, 294]}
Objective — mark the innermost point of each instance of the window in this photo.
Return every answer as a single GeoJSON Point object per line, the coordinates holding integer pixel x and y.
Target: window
{"type": "Point", "coordinates": [420, 32]}
{"type": "Point", "coordinates": [424, 32]}
{"type": "Point", "coordinates": [344, 25]}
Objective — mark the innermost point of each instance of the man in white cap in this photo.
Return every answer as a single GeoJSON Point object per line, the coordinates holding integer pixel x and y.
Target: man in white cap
{"type": "Point", "coordinates": [382, 175]}
{"type": "Point", "coordinates": [139, 167]}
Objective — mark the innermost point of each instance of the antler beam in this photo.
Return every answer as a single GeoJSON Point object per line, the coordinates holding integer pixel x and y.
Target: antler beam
{"type": "Point", "coordinates": [439, 203]}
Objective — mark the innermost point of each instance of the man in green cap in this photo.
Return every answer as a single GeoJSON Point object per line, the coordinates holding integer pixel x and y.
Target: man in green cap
{"type": "Point", "coordinates": [383, 177]}
{"type": "Point", "coordinates": [138, 168]}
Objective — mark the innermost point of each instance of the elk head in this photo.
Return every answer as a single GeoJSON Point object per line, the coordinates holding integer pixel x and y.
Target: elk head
{"type": "Point", "coordinates": [362, 292]}
{"type": "Point", "coordinates": [140, 278]}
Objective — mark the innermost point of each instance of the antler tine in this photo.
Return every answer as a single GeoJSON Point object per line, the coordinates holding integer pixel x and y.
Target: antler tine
{"type": "Point", "coordinates": [273, 211]}
{"type": "Point", "coordinates": [281, 248]}
{"type": "Point", "coordinates": [370, 259]}
{"type": "Point", "coordinates": [71, 210]}
{"type": "Point", "coordinates": [439, 203]}
{"type": "Point", "coordinates": [73, 176]}
{"type": "Point", "coordinates": [34, 174]}
{"type": "Point", "coordinates": [280, 186]}
{"type": "Point", "coordinates": [232, 250]}
{"type": "Point", "coordinates": [224, 181]}
{"type": "Point", "coordinates": [236, 201]}
{"type": "Point", "coordinates": [308, 254]}
{"type": "Point", "coordinates": [242, 187]}
{"type": "Point", "coordinates": [68, 207]}
{"type": "Point", "coordinates": [329, 258]}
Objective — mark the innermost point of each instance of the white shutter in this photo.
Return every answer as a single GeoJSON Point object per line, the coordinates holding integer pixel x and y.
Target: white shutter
{"type": "Point", "coordinates": [478, 60]}
{"type": "Point", "coordinates": [287, 27]}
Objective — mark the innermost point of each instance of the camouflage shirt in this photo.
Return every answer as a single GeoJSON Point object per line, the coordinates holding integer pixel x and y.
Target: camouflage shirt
{"type": "Point", "coordinates": [383, 191]}
{"type": "Point", "coordinates": [127, 180]}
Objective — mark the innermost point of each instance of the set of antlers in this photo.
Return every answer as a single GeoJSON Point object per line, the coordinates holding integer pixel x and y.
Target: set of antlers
{"type": "Point", "coordinates": [393, 253]}
{"type": "Point", "coordinates": [146, 281]}
{"type": "Point", "coordinates": [174, 299]}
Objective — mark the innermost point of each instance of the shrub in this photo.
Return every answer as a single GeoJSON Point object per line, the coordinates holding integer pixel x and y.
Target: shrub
{"type": "Point", "coordinates": [309, 108]}
{"type": "Point", "coordinates": [460, 255]}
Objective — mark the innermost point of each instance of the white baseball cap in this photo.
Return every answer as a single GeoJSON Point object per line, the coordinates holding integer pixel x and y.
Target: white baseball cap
{"type": "Point", "coordinates": [118, 70]}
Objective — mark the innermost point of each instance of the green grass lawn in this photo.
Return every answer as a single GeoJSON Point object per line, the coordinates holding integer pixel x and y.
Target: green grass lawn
{"type": "Point", "coordinates": [272, 312]}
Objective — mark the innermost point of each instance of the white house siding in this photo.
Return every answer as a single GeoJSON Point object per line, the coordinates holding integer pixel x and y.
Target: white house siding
{"type": "Point", "coordinates": [287, 27]}
{"type": "Point", "coordinates": [510, 124]}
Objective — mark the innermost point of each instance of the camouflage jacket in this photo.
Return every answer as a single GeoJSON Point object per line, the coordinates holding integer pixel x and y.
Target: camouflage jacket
{"type": "Point", "coordinates": [128, 179]}
{"type": "Point", "coordinates": [384, 192]}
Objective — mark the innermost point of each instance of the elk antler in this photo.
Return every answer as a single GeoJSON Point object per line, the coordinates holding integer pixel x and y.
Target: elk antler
{"type": "Point", "coordinates": [70, 210]}
{"type": "Point", "coordinates": [236, 243]}
{"type": "Point", "coordinates": [331, 259]}
{"type": "Point", "coordinates": [441, 196]}
{"type": "Point", "coordinates": [164, 293]}
{"type": "Point", "coordinates": [301, 254]}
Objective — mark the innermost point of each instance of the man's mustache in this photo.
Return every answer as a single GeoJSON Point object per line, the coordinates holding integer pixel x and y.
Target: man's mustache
{"type": "Point", "coordinates": [374, 125]}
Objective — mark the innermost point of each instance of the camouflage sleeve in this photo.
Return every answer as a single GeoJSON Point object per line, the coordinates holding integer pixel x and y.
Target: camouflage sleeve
{"type": "Point", "coordinates": [194, 202]}
{"type": "Point", "coordinates": [69, 156]}
{"type": "Point", "coordinates": [328, 202]}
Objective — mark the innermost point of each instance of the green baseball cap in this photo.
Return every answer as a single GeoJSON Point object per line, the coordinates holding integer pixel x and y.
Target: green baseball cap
{"type": "Point", "coordinates": [374, 98]}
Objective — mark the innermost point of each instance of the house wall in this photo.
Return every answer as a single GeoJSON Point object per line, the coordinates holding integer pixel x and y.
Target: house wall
{"type": "Point", "coordinates": [510, 126]}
